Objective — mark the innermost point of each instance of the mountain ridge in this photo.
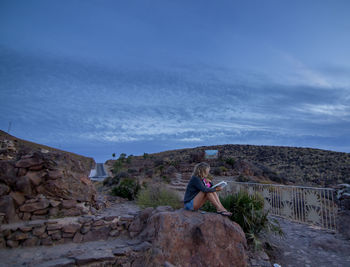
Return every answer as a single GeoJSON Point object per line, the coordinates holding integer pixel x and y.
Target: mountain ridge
{"type": "Point", "coordinates": [279, 164]}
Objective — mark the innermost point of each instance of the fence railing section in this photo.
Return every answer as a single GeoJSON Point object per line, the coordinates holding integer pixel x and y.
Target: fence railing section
{"type": "Point", "coordinates": [311, 205]}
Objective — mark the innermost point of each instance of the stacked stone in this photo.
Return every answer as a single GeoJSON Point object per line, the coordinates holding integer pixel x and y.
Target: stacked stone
{"type": "Point", "coordinates": [7, 149]}
{"type": "Point", "coordinates": [40, 208]}
{"type": "Point", "coordinates": [40, 185]}
{"type": "Point", "coordinates": [343, 195]}
{"type": "Point", "coordinates": [65, 230]}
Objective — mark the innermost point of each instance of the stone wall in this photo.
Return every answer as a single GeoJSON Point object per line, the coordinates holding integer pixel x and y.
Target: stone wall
{"type": "Point", "coordinates": [65, 230]}
{"type": "Point", "coordinates": [43, 184]}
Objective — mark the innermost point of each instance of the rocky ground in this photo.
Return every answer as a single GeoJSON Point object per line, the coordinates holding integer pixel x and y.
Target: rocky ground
{"type": "Point", "coordinates": [302, 246]}
{"type": "Point", "coordinates": [308, 246]}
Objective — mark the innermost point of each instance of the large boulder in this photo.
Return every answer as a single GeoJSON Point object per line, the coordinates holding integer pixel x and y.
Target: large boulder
{"type": "Point", "coordinates": [185, 238]}
{"type": "Point", "coordinates": [343, 223]}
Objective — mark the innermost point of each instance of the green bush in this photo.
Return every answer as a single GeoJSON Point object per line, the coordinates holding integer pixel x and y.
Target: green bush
{"type": "Point", "coordinates": [161, 168]}
{"type": "Point", "coordinates": [129, 158]}
{"type": "Point", "coordinates": [122, 156]}
{"type": "Point", "coordinates": [117, 166]}
{"type": "Point", "coordinates": [132, 170]}
{"type": "Point", "coordinates": [156, 195]}
{"type": "Point", "coordinates": [175, 163]}
{"type": "Point", "coordinates": [248, 212]}
{"type": "Point", "coordinates": [230, 161]}
{"type": "Point", "coordinates": [128, 188]}
{"type": "Point", "coordinates": [121, 175]}
{"type": "Point", "coordinates": [223, 169]}
{"type": "Point", "coordinates": [242, 178]}
{"type": "Point", "coordinates": [166, 179]}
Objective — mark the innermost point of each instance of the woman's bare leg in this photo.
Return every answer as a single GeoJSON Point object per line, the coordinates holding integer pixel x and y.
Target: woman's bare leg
{"type": "Point", "coordinates": [201, 198]}
{"type": "Point", "coordinates": [222, 208]}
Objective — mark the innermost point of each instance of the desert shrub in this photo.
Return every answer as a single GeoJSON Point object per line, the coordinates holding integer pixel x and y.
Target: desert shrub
{"type": "Point", "coordinates": [223, 169]}
{"type": "Point", "coordinates": [117, 166]}
{"type": "Point", "coordinates": [197, 157]}
{"type": "Point", "coordinates": [242, 178]}
{"type": "Point", "coordinates": [129, 158]}
{"type": "Point", "coordinates": [128, 188]}
{"type": "Point", "coordinates": [122, 157]}
{"type": "Point", "coordinates": [156, 195]}
{"type": "Point", "coordinates": [145, 155]}
{"type": "Point", "coordinates": [230, 161]}
{"type": "Point", "coordinates": [132, 170]}
{"type": "Point", "coordinates": [161, 168]}
{"type": "Point", "coordinates": [175, 163]}
{"type": "Point", "coordinates": [248, 212]}
{"type": "Point", "coordinates": [158, 162]}
{"type": "Point", "coordinates": [121, 175]}
{"type": "Point", "coordinates": [166, 179]}
{"type": "Point", "coordinates": [108, 181]}
{"type": "Point", "coordinates": [217, 171]}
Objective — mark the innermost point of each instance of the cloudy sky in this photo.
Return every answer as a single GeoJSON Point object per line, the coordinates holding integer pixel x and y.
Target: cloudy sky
{"type": "Point", "coordinates": [97, 77]}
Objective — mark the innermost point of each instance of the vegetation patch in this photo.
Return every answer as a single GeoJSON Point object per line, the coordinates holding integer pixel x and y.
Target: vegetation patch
{"type": "Point", "coordinates": [248, 212]}
{"type": "Point", "coordinates": [157, 195]}
{"type": "Point", "coordinates": [127, 188]}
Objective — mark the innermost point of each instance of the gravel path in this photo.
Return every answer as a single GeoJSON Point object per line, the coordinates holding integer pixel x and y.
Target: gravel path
{"type": "Point", "coordinates": [308, 246]}
{"type": "Point", "coordinates": [120, 208]}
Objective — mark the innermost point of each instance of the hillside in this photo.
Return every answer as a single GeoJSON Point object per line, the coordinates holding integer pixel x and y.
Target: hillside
{"type": "Point", "coordinates": [267, 164]}
{"type": "Point", "coordinates": [24, 146]}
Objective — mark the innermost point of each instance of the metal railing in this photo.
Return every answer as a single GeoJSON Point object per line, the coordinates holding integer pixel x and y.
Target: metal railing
{"type": "Point", "coordinates": [311, 205]}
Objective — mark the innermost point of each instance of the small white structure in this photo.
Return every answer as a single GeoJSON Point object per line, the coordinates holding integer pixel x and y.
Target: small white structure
{"type": "Point", "coordinates": [211, 154]}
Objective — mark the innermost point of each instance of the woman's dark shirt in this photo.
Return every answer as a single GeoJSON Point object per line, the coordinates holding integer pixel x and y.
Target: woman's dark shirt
{"type": "Point", "coordinates": [195, 185]}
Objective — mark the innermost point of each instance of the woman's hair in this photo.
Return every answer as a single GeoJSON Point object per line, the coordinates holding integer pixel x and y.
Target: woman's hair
{"type": "Point", "coordinates": [200, 168]}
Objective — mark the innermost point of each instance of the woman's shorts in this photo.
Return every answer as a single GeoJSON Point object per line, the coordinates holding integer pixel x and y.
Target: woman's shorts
{"type": "Point", "coordinates": [189, 205]}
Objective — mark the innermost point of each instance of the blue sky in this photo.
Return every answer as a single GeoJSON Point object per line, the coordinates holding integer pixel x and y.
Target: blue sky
{"type": "Point", "coordinates": [98, 77]}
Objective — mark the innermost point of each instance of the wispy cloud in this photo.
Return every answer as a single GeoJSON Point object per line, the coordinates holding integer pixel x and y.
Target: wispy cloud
{"type": "Point", "coordinates": [183, 106]}
{"type": "Point", "coordinates": [338, 110]}
{"type": "Point", "coordinates": [191, 139]}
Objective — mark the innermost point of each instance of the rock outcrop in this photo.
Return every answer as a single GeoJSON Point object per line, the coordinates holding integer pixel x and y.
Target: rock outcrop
{"type": "Point", "coordinates": [185, 238]}
{"type": "Point", "coordinates": [37, 183]}
{"type": "Point", "coordinates": [343, 220]}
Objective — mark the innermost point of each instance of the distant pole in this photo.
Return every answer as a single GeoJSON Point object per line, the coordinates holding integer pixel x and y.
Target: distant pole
{"type": "Point", "coordinates": [9, 129]}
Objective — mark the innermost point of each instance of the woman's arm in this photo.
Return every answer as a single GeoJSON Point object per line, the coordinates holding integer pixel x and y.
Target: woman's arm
{"type": "Point", "coordinates": [200, 186]}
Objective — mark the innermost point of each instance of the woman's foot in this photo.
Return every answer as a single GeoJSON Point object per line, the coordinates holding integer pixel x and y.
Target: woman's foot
{"type": "Point", "coordinates": [224, 213]}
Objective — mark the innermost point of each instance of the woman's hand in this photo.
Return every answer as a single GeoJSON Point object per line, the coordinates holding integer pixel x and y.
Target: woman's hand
{"type": "Point", "coordinates": [219, 188]}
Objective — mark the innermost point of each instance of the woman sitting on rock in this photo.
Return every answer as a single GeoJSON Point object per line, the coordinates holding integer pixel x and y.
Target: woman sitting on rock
{"type": "Point", "coordinates": [197, 193]}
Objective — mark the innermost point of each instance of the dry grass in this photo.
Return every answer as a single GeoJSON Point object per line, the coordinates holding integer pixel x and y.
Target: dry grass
{"type": "Point", "coordinates": [158, 195]}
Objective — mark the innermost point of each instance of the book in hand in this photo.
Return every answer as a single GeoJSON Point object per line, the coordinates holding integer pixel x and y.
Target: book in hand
{"type": "Point", "coordinates": [222, 184]}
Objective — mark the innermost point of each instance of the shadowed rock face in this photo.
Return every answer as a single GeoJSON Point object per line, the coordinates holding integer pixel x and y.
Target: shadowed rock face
{"type": "Point", "coordinates": [185, 238]}
{"type": "Point", "coordinates": [36, 183]}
